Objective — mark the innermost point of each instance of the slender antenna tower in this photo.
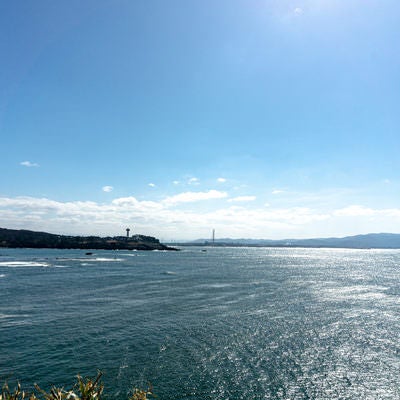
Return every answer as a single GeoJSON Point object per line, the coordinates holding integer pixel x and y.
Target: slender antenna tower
{"type": "Point", "coordinates": [127, 232]}
{"type": "Point", "coordinates": [213, 236]}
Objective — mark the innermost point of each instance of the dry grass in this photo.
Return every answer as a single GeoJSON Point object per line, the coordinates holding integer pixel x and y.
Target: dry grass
{"type": "Point", "coordinates": [84, 389]}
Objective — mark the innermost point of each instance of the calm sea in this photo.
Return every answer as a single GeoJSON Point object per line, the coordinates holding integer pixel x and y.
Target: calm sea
{"type": "Point", "coordinates": [226, 323]}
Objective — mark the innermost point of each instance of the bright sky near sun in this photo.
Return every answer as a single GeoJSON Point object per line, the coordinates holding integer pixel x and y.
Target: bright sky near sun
{"type": "Point", "coordinates": [256, 118]}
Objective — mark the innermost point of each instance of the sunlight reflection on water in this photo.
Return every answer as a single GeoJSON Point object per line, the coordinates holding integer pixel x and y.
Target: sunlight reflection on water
{"type": "Point", "coordinates": [227, 324]}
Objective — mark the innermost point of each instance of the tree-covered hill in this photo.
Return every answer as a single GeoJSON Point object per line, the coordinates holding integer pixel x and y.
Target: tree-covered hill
{"type": "Point", "coordinates": [25, 238]}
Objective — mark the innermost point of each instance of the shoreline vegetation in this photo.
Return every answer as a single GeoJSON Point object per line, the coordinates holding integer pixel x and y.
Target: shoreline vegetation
{"type": "Point", "coordinates": [84, 389]}
{"type": "Point", "coordinates": [13, 238]}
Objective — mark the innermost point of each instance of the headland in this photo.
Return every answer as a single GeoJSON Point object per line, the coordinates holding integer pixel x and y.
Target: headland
{"type": "Point", "coordinates": [30, 239]}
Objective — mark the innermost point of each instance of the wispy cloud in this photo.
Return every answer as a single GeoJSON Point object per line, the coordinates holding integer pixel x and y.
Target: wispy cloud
{"type": "Point", "coordinates": [152, 185]}
{"type": "Point", "coordinates": [277, 191]}
{"type": "Point", "coordinates": [29, 164]}
{"type": "Point", "coordinates": [354, 211]}
{"type": "Point", "coordinates": [176, 182]}
{"type": "Point", "coordinates": [107, 189]}
{"type": "Point", "coordinates": [167, 219]}
{"type": "Point", "coordinates": [298, 11]}
{"type": "Point", "coordinates": [239, 187]}
{"type": "Point", "coordinates": [362, 211]}
{"type": "Point", "coordinates": [194, 181]}
{"type": "Point", "coordinates": [242, 199]}
{"type": "Point", "coordinates": [157, 218]}
{"type": "Point", "coordinates": [189, 197]}
{"type": "Point", "coordinates": [221, 180]}
{"type": "Point", "coordinates": [130, 204]}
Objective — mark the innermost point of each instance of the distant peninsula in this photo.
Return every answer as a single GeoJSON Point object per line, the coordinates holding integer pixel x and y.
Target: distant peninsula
{"type": "Point", "coordinates": [367, 241]}
{"type": "Point", "coordinates": [30, 239]}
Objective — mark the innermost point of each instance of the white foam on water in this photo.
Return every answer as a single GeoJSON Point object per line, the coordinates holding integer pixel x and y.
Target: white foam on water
{"type": "Point", "coordinates": [219, 285]}
{"type": "Point", "coordinates": [90, 261]}
{"type": "Point", "coordinates": [2, 275]}
{"type": "Point", "coordinates": [64, 259]}
{"type": "Point", "coordinates": [4, 316]}
{"type": "Point", "coordinates": [16, 264]}
{"type": "Point", "coordinates": [214, 285]}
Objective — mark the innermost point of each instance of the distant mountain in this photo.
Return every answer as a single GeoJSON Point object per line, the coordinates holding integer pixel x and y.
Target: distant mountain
{"type": "Point", "coordinates": [371, 240]}
{"type": "Point", "coordinates": [30, 239]}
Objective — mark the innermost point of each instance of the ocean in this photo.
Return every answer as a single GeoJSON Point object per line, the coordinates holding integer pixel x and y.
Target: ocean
{"type": "Point", "coordinates": [225, 323]}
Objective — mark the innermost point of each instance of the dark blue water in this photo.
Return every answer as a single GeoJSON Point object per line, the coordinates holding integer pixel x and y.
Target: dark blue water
{"type": "Point", "coordinates": [229, 323]}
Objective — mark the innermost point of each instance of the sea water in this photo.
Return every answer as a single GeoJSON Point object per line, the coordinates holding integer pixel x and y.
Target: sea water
{"type": "Point", "coordinates": [225, 323]}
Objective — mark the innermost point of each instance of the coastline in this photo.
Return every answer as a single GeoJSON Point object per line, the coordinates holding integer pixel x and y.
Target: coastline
{"type": "Point", "coordinates": [12, 238]}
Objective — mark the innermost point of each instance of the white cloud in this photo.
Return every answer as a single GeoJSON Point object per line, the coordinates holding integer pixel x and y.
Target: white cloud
{"type": "Point", "coordinates": [166, 219]}
{"type": "Point", "coordinates": [354, 211]}
{"type": "Point", "coordinates": [277, 191]}
{"type": "Point", "coordinates": [193, 181]}
{"type": "Point", "coordinates": [242, 199]}
{"type": "Point", "coordinates": [239, 187]}
{"type": "Point", "coordinates": [29, 164]}
{"type": "Point", "coordinates": [176, 182]}
{"type": "Point", "coordinates": [298, 11]}
{"type": "Point", "coordinates": [221, 180]}
{"type": "Point", "coordinates": [361, 211]}
{"type": "Point", "coordinates": [188, 197]}
{"type": "Point", "coordinates": [107, 189]}
{"type": "Point", "coordinates": [386, 181]}
{"type": "Point", "coordinates": [152, 185]}
{"type": "Point", "coordinates": [125, 201]}
{"type": "Point", "coordinates": [131, 203]}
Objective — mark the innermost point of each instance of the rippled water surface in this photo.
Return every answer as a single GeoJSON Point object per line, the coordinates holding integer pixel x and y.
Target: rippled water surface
{"type": "Point", "coordinates": [228, 323]}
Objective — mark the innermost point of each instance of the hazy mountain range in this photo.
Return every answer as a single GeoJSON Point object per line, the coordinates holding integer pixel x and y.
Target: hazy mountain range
{"type": "Point", "coordinates": [371, 240]}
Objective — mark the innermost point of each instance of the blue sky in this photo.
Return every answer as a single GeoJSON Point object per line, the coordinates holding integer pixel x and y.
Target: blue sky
{"type": "Point", "coordinates": [259, 118]}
